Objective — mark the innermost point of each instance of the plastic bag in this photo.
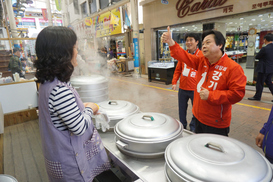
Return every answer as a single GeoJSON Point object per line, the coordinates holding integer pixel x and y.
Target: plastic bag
{"type": "Point", "coordinates": [102, 121]}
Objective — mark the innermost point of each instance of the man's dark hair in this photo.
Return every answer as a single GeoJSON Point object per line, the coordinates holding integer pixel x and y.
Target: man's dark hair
{"type": "Point", "coordinates": [218, 37]}
{"type": "Point", "coordinates": [15, 50]}
{"type": "Point", "coordinates": [196, 38]}
{"type": "Point", "coordinates": [54, 50]}
{"type": "Point", "coordinates": [268, 37]}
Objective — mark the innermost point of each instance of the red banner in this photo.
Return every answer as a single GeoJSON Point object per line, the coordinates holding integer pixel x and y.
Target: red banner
{"type": "Point", "coordinates": [44, 12]}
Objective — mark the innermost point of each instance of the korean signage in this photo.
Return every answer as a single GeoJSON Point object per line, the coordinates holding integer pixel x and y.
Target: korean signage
{"type": "Point", "coordinates": [108, 23]}
{"type": "Point", "coordinates": [262, 4]}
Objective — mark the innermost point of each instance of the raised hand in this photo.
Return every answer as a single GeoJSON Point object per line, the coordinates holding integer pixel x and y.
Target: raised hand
{"type": "Point", "coordinates": [167, 37]}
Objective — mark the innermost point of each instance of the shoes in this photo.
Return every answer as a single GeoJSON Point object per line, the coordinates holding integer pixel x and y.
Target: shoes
{"type": "Point", "coordinates": [253, 98]}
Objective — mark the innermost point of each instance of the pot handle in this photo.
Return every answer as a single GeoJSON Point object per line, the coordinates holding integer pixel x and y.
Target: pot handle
{"type": "Point", "coordinates": [121, 144]}
{"type": "Point", "coordinates": [215, 146]}
{"type": "Point", "coordinates": [113, 102]}
{"type": "Point", "coordinates": [148, 116]}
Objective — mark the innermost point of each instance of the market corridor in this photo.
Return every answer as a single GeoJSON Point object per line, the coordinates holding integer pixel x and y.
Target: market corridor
{"type": "Point", "coordinates": [23, 157]}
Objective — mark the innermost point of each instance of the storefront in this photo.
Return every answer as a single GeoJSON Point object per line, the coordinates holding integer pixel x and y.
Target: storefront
{"type": "Point", "coordinates": [110, 33]}
{"type": "Point", "coordinates": [233, 18]}
{"type": "Point", "coordinates": [103, 37]}
{"type": "Point", "coordinates": [104, 31]}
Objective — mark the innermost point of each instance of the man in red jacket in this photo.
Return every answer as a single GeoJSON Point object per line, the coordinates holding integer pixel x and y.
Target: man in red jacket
{"type": "Point", "coordinates": [187, 77]}
{"type": "Point", "coordinates": [220, 82]}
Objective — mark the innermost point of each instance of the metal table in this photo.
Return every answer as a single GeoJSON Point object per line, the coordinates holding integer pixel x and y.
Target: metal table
{"type": "Point", "coordinates": [139, 170]}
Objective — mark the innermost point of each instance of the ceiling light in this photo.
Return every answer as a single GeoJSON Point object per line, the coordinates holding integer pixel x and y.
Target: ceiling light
{"type": "Point", "coordinates": [241, 18]}
{"type": "Point", "coordinates": [263, 20]}
{"type": "Point", "coordinates": [253, 19]}
{"type": "Point", "coordinates": [260, 15]}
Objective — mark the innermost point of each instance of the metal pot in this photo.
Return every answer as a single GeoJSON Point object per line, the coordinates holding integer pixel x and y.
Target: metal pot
{"type": "Point", "coordinates": [146, 135]}
{"type": "Point", "coordinates": [209, 157]}
{"type": "Point", "coordinates": [118, 110]}
{"type": "Point", "coordinates": [93, 88]}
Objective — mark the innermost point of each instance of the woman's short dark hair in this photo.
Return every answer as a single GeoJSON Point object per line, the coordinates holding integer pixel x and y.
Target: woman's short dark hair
{"type": "Point", "coordinates": [54, 50]}
{"type": "Point", "coordinates": [218, 37]}
{"type": "Point", "coordinates": [196, 38]}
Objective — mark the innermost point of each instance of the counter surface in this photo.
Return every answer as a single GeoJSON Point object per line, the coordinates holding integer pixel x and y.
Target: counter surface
{"type": "Point", "coordinates": [146, 170]}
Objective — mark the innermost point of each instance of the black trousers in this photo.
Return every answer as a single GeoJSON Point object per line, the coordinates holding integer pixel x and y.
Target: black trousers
{"type": "Point", "coordinates": [261, 78]}
{"type": "Point", "coordinates": [202, 128]}
{"type": "Point", "coordinates": [269, 159]}
{"type": "Point", "coordinates": [183, 98]}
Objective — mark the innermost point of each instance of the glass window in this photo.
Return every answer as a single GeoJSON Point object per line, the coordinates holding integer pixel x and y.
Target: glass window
{"type": "Point", "coordinates": [84, 9]}
{"type": "Point", "coordinates": [76, 6]}
{"type": "Point", "coordinates": [104, 4]}
{"type": "Point", "coordinates": [92, 6]}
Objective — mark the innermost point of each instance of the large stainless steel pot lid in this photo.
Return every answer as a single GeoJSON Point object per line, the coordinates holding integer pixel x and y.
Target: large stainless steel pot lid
{"type": "Point", "coordinates": [118, 109]}
{"type": "Point", "coordinates": [148, 127]}
{"type": "Point", "coordinates": [208, 157]}
{"type": "Point", "coordinates": [92, 79]}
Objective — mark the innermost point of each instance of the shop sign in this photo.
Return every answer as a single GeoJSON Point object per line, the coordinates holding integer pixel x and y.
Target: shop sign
{"type": "Point", "coordinates": [35, 14]}
{"type": "Point", "coordinates": [164, 1]}
{"type": "Point", "coordinates": [23, 30]}
{"type": "Point", "coordinates": [44, 12]}
{"type": "Point", "coordinates": [136, 55]}
{"type": "Point", "coordinates": [58, 5]}
{"type": "Point", "coordinates": [88, 21]}
{"type": "Point", "coordinates": [190, 7]}
{"type": "Point", "coordinates": [262, 4]}
{"type": "Point", "coordinates": [108, 23]}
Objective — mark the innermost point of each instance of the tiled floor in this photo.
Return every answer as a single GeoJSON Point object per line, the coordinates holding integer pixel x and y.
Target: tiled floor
{"type": "Point", "coordinates": [247, 119]}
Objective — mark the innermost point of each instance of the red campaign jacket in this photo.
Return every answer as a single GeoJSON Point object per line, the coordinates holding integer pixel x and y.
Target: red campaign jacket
{"type": "Point", "coordinates": [225, 81]}
{"type": "Point", "coordinates": [187, 74]}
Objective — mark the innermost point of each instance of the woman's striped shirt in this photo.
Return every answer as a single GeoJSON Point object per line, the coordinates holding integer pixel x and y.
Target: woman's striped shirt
{"type": "Point", "coordinates": [65, 113]}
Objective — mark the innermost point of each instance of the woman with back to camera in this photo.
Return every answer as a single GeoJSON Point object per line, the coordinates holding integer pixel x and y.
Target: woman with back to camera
{"type": "Point", "coordinates": [72, 147]}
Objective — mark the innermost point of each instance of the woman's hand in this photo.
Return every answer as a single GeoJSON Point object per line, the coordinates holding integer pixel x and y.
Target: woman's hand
{"type": "Point", "coordinates": [93, 106]}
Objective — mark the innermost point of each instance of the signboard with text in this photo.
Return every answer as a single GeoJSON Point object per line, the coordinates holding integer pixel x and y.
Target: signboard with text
{"type": "Point", "coordinates": [108, 23]}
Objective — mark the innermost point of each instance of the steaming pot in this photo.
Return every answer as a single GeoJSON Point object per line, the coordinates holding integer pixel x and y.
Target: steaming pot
{"type": "Point", "coordinates": [210, 157]}
{"type": "Point", "coordinates": [93, 88]}
{"type": "Point", "coordinates": [118, 110]}
{"type": "Point", "coordinates": [146, 135]}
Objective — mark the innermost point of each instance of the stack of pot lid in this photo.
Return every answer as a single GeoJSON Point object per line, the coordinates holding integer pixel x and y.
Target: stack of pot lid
{"type": "Point", "coordinates": [118, 109]}
{"type": "Point", "coordinates": [93, 88]}
{"type": "Point", "coordinates": [148, 127]}
{"type": "Point", "coordinates": [209, 157]}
